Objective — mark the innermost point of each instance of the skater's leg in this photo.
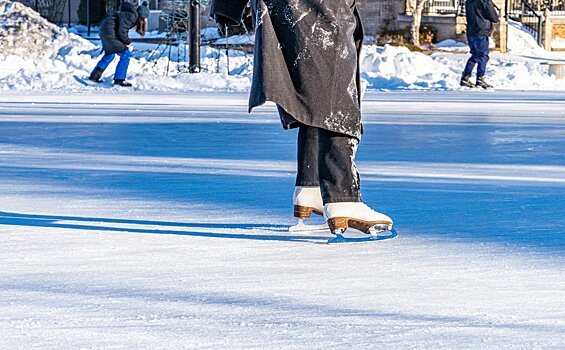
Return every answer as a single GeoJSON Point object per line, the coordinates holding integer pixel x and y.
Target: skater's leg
{"type": "Point", "coordinates": [122, 68]}
{"type": "Point", "coordinates": [307, 157]}
{"type": "Point", "coordinates": [307, 198]}
{"type": "Point", "coordinates": [339, 179]}
{"type": "Point", "coordinates": [104, 62]}
{"type": "Point", "coordinates": [473, 60]}
{"type": "Point", "coordinates": [482, 49]}
{"type": "Point", "coordinates": [96, 74]}
{"type": "Point", "coordinates": [482, 60]}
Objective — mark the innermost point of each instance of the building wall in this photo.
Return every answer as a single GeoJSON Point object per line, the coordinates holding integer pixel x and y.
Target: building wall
{"type": "Point", "coordinates": [380, 14]}
{"type": "Point", "coordinates": [74, 11]}
{"type": "Point", "coordinates": [65, 18]}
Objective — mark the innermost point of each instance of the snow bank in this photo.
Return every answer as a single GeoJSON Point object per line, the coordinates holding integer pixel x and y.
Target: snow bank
{"type": "Point", "coordinates": [521, 40]}
{"type": "Point", "coordinates": [392, 67]}
{"type": "Point", "coordinates": [37, 55]}
{"type": "Point", "coordinates": [24, 33]}
{"type": "Point", "coordinates": [450, 45]}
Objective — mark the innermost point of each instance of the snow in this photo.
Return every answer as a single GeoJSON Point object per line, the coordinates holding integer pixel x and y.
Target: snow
{"type": "Point", "coordinates": [36, 56]}
{"type": "Point", "coordinates": [148, 220]}
{"type": "Point", "coordinates": [24, 33]}
{"type": "Point", "coordinates": [394, 68]}
{"type": "Point", "coordinates": [157, 217]}
{"type": "Point", "coordinates": [450, 45]}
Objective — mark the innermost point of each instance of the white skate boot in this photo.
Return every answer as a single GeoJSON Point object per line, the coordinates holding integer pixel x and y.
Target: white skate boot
{"type": "Point", "coordinates": [307, 200]}
{"type": "Point", "coordinates": [359, 216]}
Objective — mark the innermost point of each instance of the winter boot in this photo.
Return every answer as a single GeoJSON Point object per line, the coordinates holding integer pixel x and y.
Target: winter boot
{"type": "Point", "coordinates": [466, 82]}
{"type": "Point", "coordinates": [307, 200]}
{"type": "Point", "coordinates": [121, 82]}
{"type": "Point", "coordinates": [482, 83]}
{"type": "Point", "coordinates": [356, 215]}
{"type": "Point", "coordinates": [96, 75]}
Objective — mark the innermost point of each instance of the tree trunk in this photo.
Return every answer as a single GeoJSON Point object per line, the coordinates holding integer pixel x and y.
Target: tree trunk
{"type": "Point", "coordinates": [417, 9]}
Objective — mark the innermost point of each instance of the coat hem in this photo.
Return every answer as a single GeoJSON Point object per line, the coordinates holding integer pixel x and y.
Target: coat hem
{"type": "Point", "coordinates": [296, 121]}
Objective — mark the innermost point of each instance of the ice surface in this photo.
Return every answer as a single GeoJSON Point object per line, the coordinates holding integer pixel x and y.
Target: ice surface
{"type": "Point", "coordinates": [160, 221]}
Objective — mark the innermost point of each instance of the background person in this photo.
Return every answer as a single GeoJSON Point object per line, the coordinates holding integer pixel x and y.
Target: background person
{"type": "Point", "coordinates": [115, 40]}
{"type": "Point", "coordinates": [481, 15]}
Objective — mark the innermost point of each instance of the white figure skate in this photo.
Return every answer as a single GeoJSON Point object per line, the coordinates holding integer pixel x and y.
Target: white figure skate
{"type": "Point", "coordinates": [307, 200]}
{"type": "Point", "coordinates": [357, 215]}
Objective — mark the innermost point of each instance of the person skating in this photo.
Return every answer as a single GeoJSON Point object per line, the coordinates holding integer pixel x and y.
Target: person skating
{"type": "Point", "coordinates": [481, 15]}
{"type": "Point", "coordinates": [307, 63]}
{"type": "Point", "coordinates": [115, 40]}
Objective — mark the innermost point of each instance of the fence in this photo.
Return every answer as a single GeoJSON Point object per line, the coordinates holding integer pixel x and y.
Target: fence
{"type": "Point", "coordinates": [528, 13]}
{"type": "Point", "coordinates": [557, 7]}
{"type": "Point", "coordinates": [444, 7]}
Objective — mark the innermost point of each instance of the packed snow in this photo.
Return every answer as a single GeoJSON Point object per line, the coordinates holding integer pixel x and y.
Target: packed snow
{"type": "Point", "coordinates": [155, 221]}
{"type": "Point", "coordinates": [24, 34]}
{"type": "Point", "coordinates": [38, 56]}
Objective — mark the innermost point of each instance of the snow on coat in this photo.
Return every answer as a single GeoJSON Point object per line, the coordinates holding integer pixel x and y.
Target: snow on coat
{"type": "Point", "coordinates": [306, 60]}
{"type": "Point", "coordinates": [114, 29]}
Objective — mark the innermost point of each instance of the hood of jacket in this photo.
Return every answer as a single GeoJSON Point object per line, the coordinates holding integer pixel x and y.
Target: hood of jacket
{"type": "Point", "coordinates": [128, 7]}
{"type": "Point", "coordinates": [128, 15]}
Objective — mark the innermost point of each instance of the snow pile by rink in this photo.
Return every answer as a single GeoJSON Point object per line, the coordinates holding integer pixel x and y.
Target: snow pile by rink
{"type": "Point", "coordinates": [38, 55]}
{"type": "Point", "coordinates": [24, 33]}
{"type": "Point", "coordinates": [450, 45]}
{"type": "Point", "coordinates": [521, 41]}
{"type": "Point", "coordinates": [391, 67]}
{"type": "Point", "coordinates": [397, 68]}
{"type": "Point", "coordinates": [35, 53]}
{"type": "Point", "coordinates": [524, 68]}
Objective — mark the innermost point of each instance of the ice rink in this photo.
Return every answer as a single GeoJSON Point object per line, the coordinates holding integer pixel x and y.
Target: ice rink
{"type": "Point", "coordinates": [146, 221]}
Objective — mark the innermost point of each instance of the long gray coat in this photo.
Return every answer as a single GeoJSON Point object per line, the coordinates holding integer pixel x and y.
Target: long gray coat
{"type": "Point", "coordinates": [306, 60]}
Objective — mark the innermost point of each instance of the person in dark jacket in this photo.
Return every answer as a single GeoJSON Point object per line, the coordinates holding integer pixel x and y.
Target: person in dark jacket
{"type": "Point", "coordinates": [307, 63]}
{"type": "Point", "coordinates": [481, 15]}
{"type": "Point", "coordinates": [115, 40]}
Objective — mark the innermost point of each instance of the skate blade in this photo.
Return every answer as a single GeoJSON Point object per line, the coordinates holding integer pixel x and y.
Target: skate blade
{"type": "Point", "coordinates": [380, 236]}
{"type": "Point", "coordinates": [301, 227]}
{"type": "Point", "coordinates": [475, 89]}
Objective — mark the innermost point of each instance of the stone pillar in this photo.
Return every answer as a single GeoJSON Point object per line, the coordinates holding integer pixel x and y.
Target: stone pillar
{"type": "Point", "coordinates": [501, 29]}
{"type": "Point", "coordinates": [502, 43]}
{"type": "Point", "coordinates": [547, 30]}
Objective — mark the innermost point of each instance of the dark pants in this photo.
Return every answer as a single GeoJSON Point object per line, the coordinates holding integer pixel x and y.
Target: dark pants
{"type": "Point", "coordinates": [121, 68]}
{"type": "Point", "coordinates": [326, 159]}
{"type": "Point", "coordinates": [479, 55]}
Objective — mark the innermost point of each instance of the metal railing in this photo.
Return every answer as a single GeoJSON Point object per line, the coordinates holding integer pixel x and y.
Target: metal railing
{"type": "Point", "coordinates": [557, 7]}
{"type": "Point", "coordinates": [528, 13]}
{"type": "Point", "coordinates": [444, 7]}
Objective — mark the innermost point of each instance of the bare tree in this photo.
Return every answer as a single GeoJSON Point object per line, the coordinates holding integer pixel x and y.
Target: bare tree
{"type": "Point", "coordinates": [416, 8]}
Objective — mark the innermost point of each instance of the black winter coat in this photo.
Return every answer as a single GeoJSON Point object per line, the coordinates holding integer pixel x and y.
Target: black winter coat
{"type": "Point", "coordinates": [481, 14]}
{"type": "Point", "coordinates": [306, 60]}
{"type": "Point", "coordinates": [114, 29]}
